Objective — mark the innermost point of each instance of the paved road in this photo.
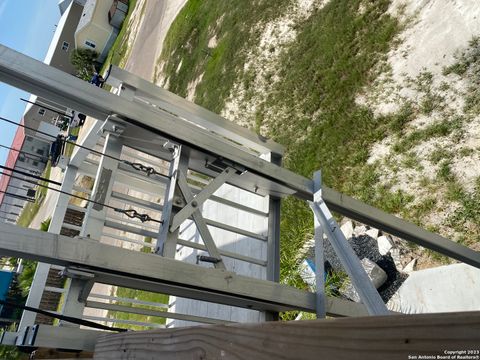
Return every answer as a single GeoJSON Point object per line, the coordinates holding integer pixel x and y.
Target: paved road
{"type": "Point", "coordinates": [158, 16]}
{"type": "Point", "coordinates": [48, 205]}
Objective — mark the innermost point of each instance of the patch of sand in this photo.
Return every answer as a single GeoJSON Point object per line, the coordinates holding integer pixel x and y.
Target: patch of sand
{"type": "Point", "coordinates": [192, 85]}
{"type": "Point", "coordinates": [262, 62]}
{"type": "Point", "coordinates": [435, 31]}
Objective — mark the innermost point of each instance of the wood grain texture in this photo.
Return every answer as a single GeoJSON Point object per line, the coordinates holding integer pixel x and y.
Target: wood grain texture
{"type": "Point", "coordinates": [382, 337]}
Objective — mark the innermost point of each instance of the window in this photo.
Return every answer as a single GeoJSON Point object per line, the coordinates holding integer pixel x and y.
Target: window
{"type": "Point", "coordinates": [21, 158]}
{"type": "Point", "coordinates": [65, 46]}
{"type": "Point", "coordinates": [90, 44]}
{"type": "Point", "coordinates": [41, 111]}
{"type": "Point", "coordinates": [35, 163]}
{"type": "Point", "coordinates": [40, 152]}
{"type": "Point", "coordinates": [29, 138]}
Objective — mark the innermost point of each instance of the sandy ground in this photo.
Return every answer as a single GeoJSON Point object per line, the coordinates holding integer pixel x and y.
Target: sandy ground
{"type": "Point", "coordinates": [158, 16]}
{"type": "Point", "coordinates": [429, 42]}
{"type": "Point", "coordinates": [277, 34]}
{"type": "Point", "coordinates": [439, 29]}
{"type": "Point", "coordinates": [435, 32]}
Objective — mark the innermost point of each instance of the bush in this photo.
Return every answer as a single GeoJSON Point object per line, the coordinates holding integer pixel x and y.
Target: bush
{"type": "Point", "coordinates": [84, 62]}
{"type": "Point", "coordinates": [45, 224]}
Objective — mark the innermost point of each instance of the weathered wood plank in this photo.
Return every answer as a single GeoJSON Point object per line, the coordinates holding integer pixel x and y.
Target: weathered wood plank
{"type": "Point", "coordinates": [60, 355]}
{"type": "Point", "coordinates": [376, 337]}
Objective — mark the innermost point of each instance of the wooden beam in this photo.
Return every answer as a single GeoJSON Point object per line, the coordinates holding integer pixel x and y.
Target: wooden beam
{"type": "Point", "coordinates": [60, 355]}
{"type": "Point", "coordinates": [150, 272]}
{"type": "Point", "coordinates": [377, 337]}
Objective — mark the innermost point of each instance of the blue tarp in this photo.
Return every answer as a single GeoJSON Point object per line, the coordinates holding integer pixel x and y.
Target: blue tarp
{"type": "Point", "coordinates": [5, 281]}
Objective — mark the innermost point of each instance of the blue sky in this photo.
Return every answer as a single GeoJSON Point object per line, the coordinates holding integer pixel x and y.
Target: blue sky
{"type": "Point", "coordinates": [26, 26]}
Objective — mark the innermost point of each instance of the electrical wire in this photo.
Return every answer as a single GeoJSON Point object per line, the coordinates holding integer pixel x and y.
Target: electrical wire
{"type": "Point", "coordinates": [69, 319]}
{"type": "Point", "coordinates": [131, 213]}
{"type": "Point", "coordinates": [21, 197]}
{"type": "Point", "coordinates": [23, 152]}
{"type": "Point", "coordinates": [137, 166]}
{"type": "Point", "coordinates": [47, 107]}
{"type": "Point", "coordinates": [26, 180]}
{"type": "Point", "coordinates": [9, 204]}
{"type": "Point", "coordinates": [30, 175]}
{"type": "Point", "coordinates": [18, 187]}
{"type": "Point", "coordinates": [9, 213]}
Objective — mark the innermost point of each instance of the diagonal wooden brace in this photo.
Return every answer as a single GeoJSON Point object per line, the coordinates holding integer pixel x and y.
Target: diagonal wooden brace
{"type": "Point", "coordinates": [201, 197]}
{"type": "Point", "coordinates": [200, 221]}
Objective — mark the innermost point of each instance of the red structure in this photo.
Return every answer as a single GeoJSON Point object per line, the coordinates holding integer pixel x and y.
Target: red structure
{"type": "Point", "coordinates": [12, 159]}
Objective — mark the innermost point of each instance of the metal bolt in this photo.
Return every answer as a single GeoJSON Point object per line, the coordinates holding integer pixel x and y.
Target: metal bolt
{"type": "Point", "coordinates": [194, 203]}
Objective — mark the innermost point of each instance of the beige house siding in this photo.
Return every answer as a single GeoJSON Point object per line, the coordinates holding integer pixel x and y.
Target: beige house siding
{"type": "Point", "coordinates": [94, 26]}
{"type": "Point", "coordinates": [58, 56]}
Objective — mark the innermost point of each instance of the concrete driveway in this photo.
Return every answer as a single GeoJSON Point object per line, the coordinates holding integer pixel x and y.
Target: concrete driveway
{"type": "Point", "coordinates": [158, 16]}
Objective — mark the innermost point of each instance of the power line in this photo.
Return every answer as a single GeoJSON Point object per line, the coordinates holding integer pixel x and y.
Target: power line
{"type": "Point", "coordinates": [47, 107]}
{"type": "Point", "coordinates": [23, 152]}
{"type": "Point", "coordinates": [9, 204]}
{"type": "Point", "coordinates": [137, 166]}
{"type": "Point", "coordinates": [21, 197]}
{"type": "Point", "coordinates": [131, 213]}
{"type": "Point", "coordinates": [9, 213]}
{"type": "Point", "coordinates": [69, 319]}
{"type": "Point", "coordinates": [17, 187]}
{"type": "Point", "coordinates": [30, 175]}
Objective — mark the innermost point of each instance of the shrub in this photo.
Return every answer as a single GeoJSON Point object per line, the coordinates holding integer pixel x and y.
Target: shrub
{"type": "Point", "coordinates": [84, 62]}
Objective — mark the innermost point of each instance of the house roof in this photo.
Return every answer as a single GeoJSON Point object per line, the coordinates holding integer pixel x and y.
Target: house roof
{"type": "Point", "coordinates": [63, 5]}
{"type": "Point", "coordinates": [12, 159]}
{"type": "Point", "coordinates": [87, 16]}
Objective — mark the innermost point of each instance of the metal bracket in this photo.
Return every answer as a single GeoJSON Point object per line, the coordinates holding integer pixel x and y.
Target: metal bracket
{"type": "Point", "coordinates": [166, 242]}
{"type": "Point", "coordinates": [113, 125]}
{"type": "Point", "coordinates": [208, 259]}
{"type": "Point", "coordinates": [86, 277]}
{"type": "Point", "coordinates": [201, 197]}
{"type": "Point", "coordinates": [200, 221]}
{"type": "Point", "coordinates": [220, 164]}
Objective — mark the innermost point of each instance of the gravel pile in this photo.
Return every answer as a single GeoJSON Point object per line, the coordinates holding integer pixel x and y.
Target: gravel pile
{"type": "Point", "coordinates": [367, 247]}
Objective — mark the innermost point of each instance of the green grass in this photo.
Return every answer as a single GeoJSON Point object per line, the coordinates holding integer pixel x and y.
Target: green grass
{"type": "Point", "coordinates": [328, 64]}
{"type": "Point", "coordinates": [467, 66]}
{"type": "Point", "coordinates": [438, 129]}
{"type": "Point", "coordinates": [139, 295]}
{"type": "Point", "coordinates": [466, 218]}
{"type": "Point", "coordinates": [31, 208]}
{"type": "Point", "coordinates": [440, 154]}
{"type": "Point", "coordinates": [233, 23]}
{"type": "Point", "coordinates": [69, 147]}
{"type": "Point", "coordinates": [147, 249]}
{"type": "Point", "coordinates": [466, 59]}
